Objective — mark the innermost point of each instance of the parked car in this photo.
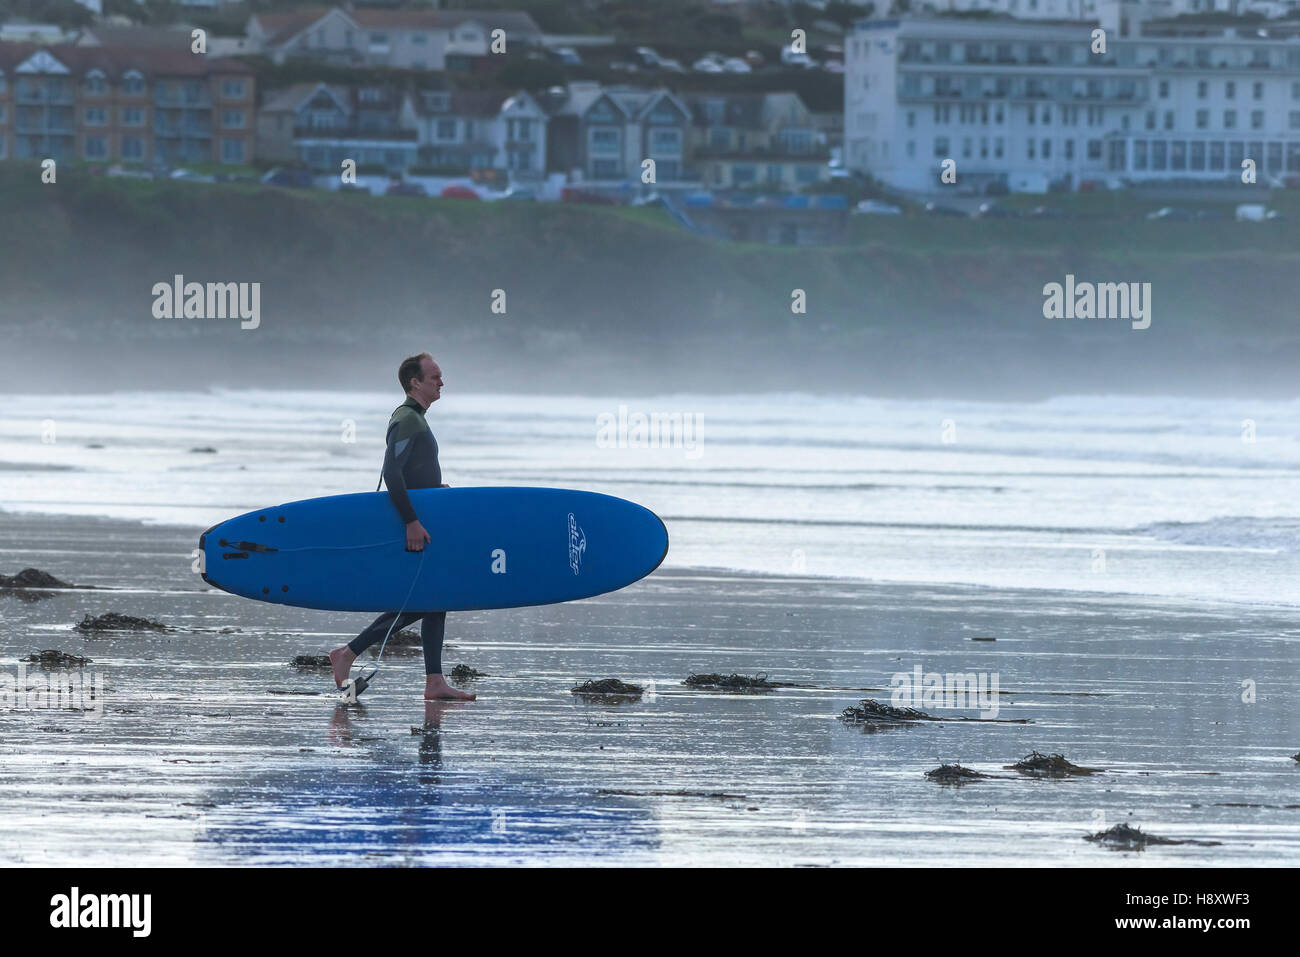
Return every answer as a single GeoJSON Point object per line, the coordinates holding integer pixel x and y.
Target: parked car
{"type": "Point", "coordinates": [126, 171]}
{"type": "Point", "coordinates": [457, 192]}
{"type": "Point", "coordinates": [567, 56]}
{"type": "Point", "coordinates": [189, 176]}
{"type": "Point", "coordinates": [994, 211]}
{"type": "Point", "coordinates": [402, 188]}
{"type": "Point", "coordinates": [1172, 213]}
{"type": "Point", "coordinates": [648, 57]}
{"type": "Point", "coordinates": [293, 177]}
{"type": "Point", "coordinates": [934, 209]}
{"type": "Point", "coordinates": [790, 58]}
{"type": "Point", "coordinates": [735, 64]}
{"type": "Point", "coordinates": [875, 207]}
{"type": "Point", "coordinates": [754, 58]}
{"type": "Point", "coordinates": [519, 193]}
{"type": "Point", "coordinates": [671, 66]}
{"type": "Point", "coordinates": [833, 66]}
{"type": "Point", "coordinates": [706, 64]}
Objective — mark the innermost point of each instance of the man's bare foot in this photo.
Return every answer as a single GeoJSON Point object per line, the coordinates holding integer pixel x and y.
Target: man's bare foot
{"type": "Point", "coordinates": [341, 659]}
{"type": "Point", "coordinates": [435, 686]}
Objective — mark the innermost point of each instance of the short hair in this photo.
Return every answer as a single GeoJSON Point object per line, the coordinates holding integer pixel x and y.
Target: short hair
{"type": "Point", "coordinates": [410, 369]}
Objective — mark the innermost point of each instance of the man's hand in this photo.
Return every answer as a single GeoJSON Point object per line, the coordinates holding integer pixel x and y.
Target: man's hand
{"type": "Point", "coordinates": [416, 536]}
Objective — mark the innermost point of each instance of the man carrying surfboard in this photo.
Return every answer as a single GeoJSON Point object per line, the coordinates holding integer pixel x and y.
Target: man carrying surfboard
{"type": "Point", "coordinates": [410, 462]}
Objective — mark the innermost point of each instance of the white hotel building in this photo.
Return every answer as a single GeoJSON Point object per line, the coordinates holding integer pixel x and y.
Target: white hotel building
{"type": "Point", "coordinates": [1029, 104]}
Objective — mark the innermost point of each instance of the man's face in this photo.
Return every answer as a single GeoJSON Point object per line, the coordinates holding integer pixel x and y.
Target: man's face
{"type": "Point", "coordinates": [430, 388]}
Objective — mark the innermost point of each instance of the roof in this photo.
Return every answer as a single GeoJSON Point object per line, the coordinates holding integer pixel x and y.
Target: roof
{"type": "Point", "coordinates": [115, 61]}
{"type": "Point", "coordinates": [153, 37]}
{"type": "Point", "coordinates": [291, 98]}
{"type": "Point", "coordinates": [281, 25]}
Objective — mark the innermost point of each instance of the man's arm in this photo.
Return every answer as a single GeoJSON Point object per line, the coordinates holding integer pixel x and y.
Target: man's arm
{"type": "Point", "coordinates": [396, 454]}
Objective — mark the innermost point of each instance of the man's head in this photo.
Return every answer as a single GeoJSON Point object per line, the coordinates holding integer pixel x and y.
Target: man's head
{"type": "Point", "coordinates": [421, 378]}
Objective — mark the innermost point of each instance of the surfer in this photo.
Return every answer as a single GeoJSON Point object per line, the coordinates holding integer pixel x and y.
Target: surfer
{"type": "Point", "coordinates": [410, 461]}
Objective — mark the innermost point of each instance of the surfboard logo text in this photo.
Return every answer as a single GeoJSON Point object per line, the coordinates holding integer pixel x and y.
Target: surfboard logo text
{"type": "Point", "coordinates": [577, 544]}
{"type": "Point", "coordinates": [213, 300]}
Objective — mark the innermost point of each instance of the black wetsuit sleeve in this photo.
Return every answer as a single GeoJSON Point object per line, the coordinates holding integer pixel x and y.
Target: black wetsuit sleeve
{"type": "Point", "coordinates": [396, 454]}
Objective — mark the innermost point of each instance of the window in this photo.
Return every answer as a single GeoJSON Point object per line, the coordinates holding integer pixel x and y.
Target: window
{"type": "Point", "coordinates": [1216, 155]}
{"type": "Point", "coordinates": [911, 119]}
{"type": "Point", "coordinates": [1229, 119]}
{"type": "Point", "coordinates": [1094, 149]}
{"type": "Point", "coordinates": [232, 119]}
{"type": "Point", "coordinates": [232, 89]}
{"type": "Point", "coordinates": [96, 116]}
{"type": "Point", "coordinates": [1230, 90]}
{"type": "Point", "coordinates": [911, 149]}
{"type": "Point", "coordinates": [1294, 86]}
{"type": "Point", "coordinates": [1202, 89]}
{"type": "Point", "coordinates": [1139, 154]}
{"type": "Point", "coordinates": [1151, 119]}
{"type": "Point", "coordinates": [1258, 91]}
{"type": "Point", "coordinates": [447, 130]}
{"type": "Point", "coordinates": [132, 148]}
{"type": "Point", "coordinates": [419, 39]}
{"type": "Point", "coordinates": [232, 151]}
{"type": "Point", "coordinates": [1256, 119]}
{"type": "Point", "coordinates": [133, 84]}
{"type": "Point", "coordinates": [1047, 149]}
{"type": "Point", "coordinates": [1294, 120]}
{"type": "Point", "coordinates": [2, 119]}
{"type": "Point", "coordinates": [1169, 119]}
{"type": "Point", "coordinates": [997, 148]}
{"type": "Point", "coordinates": [378, 39]}
{"type": "Point", "coordinates": [773, 174]}
{"type": "Point", "coordinates": [1164, 89]}
{"type": "Point", "coordinates": [96, 83]}
{"type": "Point", "coordinates": [966, 148]}
{"type": "Point", "coordinates": [1202, 119]}
{"type": "Point", "coordinates": [744, 173]}
{"type": "Point", "coordinates": [1198, 156]}
{"type": "Point", "coordinates": [96, 147]}
{"type": "Point", "coordinates": [1029, 148]}
{"type": "Point", "coordinates": [941, 147]}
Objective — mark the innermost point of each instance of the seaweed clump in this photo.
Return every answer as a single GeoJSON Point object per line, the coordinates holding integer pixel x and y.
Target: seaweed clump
{"type": "Point", "coordinates": [872, 713]}
{"type": "Point", "coordinates": [112, 621]}
{"type": "Point", "coordinates": [608, 691]}
{"type": "Point", "coordinates": [954, 774]}
{"type": "Point", "coordinates": [1126, 837]}
{"type": "Point", "coordinates": [311, 662]}
{"type": "Point", "coordinates": [1050, 766]}
{"type": "Point", "coordinates": [53, 658]}
{"type": "Point", "coordinates": [32, 578]}
{"type": "Point", "coordinates": [740, 684]}
{"type": "Point", "coordinates": [465, 673]}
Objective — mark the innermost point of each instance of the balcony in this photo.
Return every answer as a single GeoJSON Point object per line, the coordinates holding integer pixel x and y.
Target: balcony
{"type": "Point", "coordinates": [353, 132]}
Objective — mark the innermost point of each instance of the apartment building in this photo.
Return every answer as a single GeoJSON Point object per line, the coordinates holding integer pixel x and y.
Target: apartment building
{"type": "Point", "coordinates": [1022, 103]}
{"type": "Point", "coordinates": [756, 139]}
{"type": "Point", "coordinates": [418, 39]}
{"type": "Point", "coordinates": [604, 134]}
{"type": "Point", "coordinates": [105, 104]}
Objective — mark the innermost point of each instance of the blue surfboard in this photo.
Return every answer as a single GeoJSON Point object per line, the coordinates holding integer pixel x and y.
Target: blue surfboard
{"type": "Point", "coordinates": [490, 548]}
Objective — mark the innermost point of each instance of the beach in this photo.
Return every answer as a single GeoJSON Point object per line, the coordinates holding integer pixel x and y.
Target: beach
{"type": "Point", "coordinates": [213, 750]}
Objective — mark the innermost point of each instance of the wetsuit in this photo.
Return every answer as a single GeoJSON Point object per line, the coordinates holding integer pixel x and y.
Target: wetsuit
{"type": "Point", "coordinates": [410, 461]}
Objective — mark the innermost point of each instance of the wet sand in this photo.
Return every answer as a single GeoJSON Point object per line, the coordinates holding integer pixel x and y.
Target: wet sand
{"type": "Point", "coordinates": [212, 750]}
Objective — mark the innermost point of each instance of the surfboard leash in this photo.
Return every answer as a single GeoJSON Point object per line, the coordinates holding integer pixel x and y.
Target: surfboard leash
{"type": "Point", "coordinates": [354, 686]}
